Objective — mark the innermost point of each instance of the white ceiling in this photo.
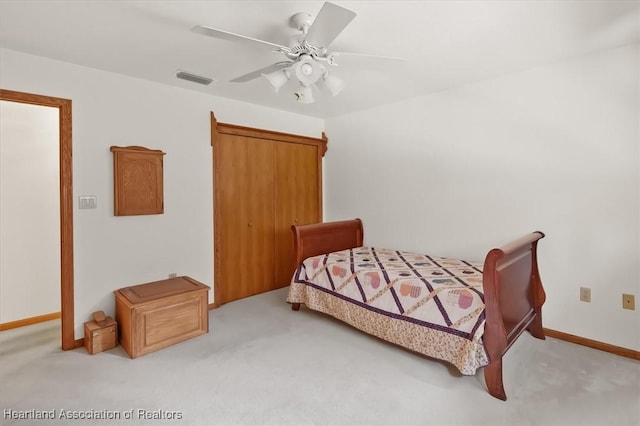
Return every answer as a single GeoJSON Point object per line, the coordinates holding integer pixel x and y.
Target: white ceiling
{"type": "Point", "coordinates": [446, 43]}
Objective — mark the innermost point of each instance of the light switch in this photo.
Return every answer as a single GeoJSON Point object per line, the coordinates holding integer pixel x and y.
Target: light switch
{"type": "Point", "coordinates": [88, 201]}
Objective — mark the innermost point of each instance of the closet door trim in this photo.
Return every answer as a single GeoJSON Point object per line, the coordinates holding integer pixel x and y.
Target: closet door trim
{"type": "Point", "coordinates": [218, 128]}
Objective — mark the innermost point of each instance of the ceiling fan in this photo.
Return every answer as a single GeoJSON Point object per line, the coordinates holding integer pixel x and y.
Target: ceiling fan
{"type": "Point", "coordinates": [308, 57]}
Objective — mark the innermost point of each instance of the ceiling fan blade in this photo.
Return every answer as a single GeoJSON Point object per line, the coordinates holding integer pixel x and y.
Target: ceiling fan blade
{"type": "Point", "coordinates": [258, 73]}
{"type": "Point", "coordinates": [330, 22]}
{"type": "Point", "coordinates": [226, 35]}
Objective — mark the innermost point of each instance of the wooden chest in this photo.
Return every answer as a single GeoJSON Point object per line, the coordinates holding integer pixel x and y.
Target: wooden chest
{"type": "Point", "coordinates": [155, 315]}
{"type": "Point", "coordinates": [101, 336]}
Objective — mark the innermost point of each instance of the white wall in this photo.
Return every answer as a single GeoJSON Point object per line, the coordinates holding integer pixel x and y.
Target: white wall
{"type": "Point", "coordinates": [29, 211]}
{"type": "Point", "coordinates": [110, 109]}
{"type": "Point", "coordinates": [553, 149]}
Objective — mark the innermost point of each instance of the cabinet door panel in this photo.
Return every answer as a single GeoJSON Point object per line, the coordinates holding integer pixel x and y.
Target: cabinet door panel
{"type": "Point", "coordinates": [244, 217]}
{"type": "Point", "coordinates": [297, 196]}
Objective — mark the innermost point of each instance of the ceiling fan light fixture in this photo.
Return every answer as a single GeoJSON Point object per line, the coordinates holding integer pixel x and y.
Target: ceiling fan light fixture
{"type": "Point", "coordinates": [307, 70]}
{"type": "Point", "coordinates": [333, 83]}
{"type": "Point", "coordinates": [277, 78]}
{"type": "Point", "coordinates": [304, 94]}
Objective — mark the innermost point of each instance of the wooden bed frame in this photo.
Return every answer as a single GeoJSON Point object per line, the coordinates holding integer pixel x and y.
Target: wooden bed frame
{"type": "Point", "coordinates": [513, 293]}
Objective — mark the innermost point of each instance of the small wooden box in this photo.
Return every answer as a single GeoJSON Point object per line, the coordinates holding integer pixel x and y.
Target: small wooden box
{"type": "Point", "coordinates": [155, 315]}
{"type": "Point", "coordinates": [100, 337]}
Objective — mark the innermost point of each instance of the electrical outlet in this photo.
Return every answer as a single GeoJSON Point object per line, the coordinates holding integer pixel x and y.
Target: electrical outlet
{"type": "Point", "coordinates": [173, 275]}
{"type": "Point", "coordinates": [585, 294]}
{"type": "Point", "coordinates": [628, 301]}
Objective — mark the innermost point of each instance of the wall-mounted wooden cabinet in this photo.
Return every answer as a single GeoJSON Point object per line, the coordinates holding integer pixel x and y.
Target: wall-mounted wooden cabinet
{"type": "Point", "coordinates": [137, 181]}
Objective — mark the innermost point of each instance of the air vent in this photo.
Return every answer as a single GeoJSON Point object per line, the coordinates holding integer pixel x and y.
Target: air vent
{"type": "Point", "coordinates": [194, 78]}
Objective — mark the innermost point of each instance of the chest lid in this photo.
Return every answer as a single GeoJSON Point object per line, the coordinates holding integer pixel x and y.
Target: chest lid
{"type": "Point", "coordinates": [159, 289]}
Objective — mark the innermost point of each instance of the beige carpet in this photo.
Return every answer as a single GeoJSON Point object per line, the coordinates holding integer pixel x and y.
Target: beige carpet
{"type": "Point", "coordinates": [262, 363]}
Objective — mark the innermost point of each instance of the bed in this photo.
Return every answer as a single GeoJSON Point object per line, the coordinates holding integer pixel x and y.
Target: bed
{"type": "Point", "coordinates": [465, 313]}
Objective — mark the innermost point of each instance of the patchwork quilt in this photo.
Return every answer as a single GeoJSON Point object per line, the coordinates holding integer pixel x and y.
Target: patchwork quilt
{"type": "Point", "coordinates": [431, 305]}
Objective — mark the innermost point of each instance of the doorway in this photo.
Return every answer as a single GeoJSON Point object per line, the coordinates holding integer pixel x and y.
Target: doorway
{"type": "Point", "coordinates": [66, 207]}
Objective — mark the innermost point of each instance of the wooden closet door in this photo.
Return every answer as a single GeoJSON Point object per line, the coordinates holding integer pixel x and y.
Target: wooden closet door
{"type": "Point", "coordinates": [244, 219]}
{"type": "Point", "coordinates": [298, 199]}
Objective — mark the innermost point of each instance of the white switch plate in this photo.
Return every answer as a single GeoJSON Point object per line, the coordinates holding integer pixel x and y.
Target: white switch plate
{"type": "Point", "coordinates": [88, 201]}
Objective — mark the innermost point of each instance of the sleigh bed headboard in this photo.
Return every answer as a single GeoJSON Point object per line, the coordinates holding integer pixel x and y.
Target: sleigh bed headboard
{"type": "Point", "coordinates": [321, 238]}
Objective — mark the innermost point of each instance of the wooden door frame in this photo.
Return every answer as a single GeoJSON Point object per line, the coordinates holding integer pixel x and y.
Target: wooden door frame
{"type": "Point", "coordinates": [66, 207]}
{"type": "Point", "coordinates": [217, 129]}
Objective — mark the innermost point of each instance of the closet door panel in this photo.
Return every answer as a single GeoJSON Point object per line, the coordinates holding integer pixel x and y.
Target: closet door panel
{"type": "Point", "coordinates": [245, 216]}
{"type": "Point", "coordinates": [297, 194]}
